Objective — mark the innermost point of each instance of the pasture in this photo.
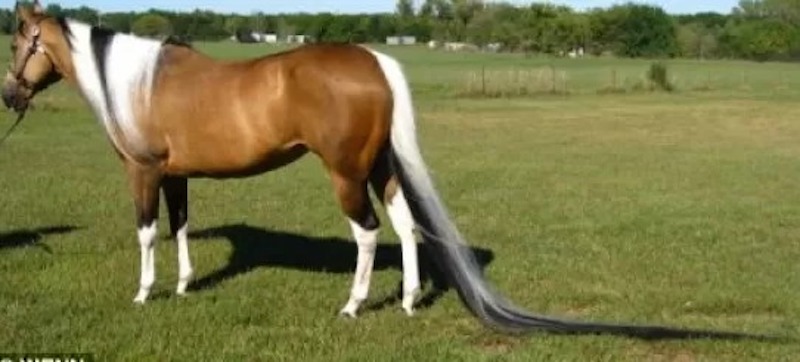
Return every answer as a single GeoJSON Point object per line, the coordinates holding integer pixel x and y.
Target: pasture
{"type": "Point", "coordinates": [624, 205]}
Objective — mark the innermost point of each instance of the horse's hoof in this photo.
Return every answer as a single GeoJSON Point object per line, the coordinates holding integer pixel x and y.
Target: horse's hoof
{"type": "Point", "coordinates": [348, 314]}
{"type": "Point", "coordinates": [183, 282]}
{"type": "Point", "coordinates": [140, 300]}
{"type": "Point", "coordinates": [181, 289]}
{"type": "Point", "coordinates": [408, 302]}
{"type": "Point", "coordinates": [350, 309]}
{"type": "Point", "coordinates": [141, 296]}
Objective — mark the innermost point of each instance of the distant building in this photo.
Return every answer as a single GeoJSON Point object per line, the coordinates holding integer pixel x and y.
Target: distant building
{"type": "Point", "coordinates": [268, 38]}
{"type": "Point", "coordinates": [573, 53]}
{"type": "Point", "coordinates": [401, 40]}
{"type": "Point", "coordinates": [255, 37]}
{"type": "Point", "coordinates": [493, 47]}
{"type": "Point", "coordinates": [297, 39]}
{"type": "Point", "coordinates": [460, 47]}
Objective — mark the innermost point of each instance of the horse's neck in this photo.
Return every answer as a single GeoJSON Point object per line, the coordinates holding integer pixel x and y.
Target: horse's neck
{"type": "Point", "coordinates": [108, 63]}
{"type": "Point", "coordinates": [114, 71]}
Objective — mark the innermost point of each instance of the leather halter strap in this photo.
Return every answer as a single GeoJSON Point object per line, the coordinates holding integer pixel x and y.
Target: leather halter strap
{"type": "Point", "coordinates": [33, 46]}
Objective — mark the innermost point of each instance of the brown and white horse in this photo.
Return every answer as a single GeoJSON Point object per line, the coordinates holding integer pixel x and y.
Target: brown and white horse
{"type": "Point", "coordinates": [172, 113]}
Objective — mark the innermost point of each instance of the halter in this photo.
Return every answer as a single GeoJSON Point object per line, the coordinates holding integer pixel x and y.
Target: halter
{"type": "Point", "coordinates": [34, 46]}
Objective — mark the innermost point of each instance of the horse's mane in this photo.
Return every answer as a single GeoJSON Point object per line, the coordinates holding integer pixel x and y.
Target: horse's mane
{"type": "Point", "coordinates": [177, 41]}
{"type": "Point", "coordinates": [169, 40]}
{"type": "Point", "coordinates": [62, 23]}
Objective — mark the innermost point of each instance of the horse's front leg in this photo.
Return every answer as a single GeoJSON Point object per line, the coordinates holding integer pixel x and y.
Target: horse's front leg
{"type": "Point", "coordinates": [144, 182]}
{"type": "Point", "coordinates": [176, 194]}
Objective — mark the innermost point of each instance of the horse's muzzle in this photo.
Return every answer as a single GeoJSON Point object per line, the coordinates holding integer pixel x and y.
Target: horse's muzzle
{"type": "Point", "coordinates": [8, 97]}
{"type": "Point", "coordinates": [14, 97]}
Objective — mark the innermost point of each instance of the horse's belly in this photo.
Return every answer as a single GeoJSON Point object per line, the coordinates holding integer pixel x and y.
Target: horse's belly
{"type": "Point", "coordinates": [215, 162]}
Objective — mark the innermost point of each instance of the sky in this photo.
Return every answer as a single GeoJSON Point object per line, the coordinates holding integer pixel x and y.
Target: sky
{"type": "Point", "coordinates": [354, 6]}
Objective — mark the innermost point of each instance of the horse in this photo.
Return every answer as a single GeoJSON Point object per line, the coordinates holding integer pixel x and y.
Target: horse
{"type": "Point", "coordinates": [172, 113]}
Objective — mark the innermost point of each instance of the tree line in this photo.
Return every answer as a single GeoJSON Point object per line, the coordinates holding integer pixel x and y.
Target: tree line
{"type": "Point", "coordinates": [755, 29]}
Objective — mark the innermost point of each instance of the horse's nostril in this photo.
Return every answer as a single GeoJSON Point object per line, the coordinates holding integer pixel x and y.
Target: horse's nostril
{"type": "Point", "coordinates": [8, 98]}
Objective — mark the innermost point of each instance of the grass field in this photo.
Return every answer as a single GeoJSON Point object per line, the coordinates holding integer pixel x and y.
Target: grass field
{"type": "Point", "coordinates": [680, 209]}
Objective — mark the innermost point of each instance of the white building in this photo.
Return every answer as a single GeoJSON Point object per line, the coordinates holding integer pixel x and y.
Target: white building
{"type": "Point", "coordinates": [401, 40]}
{"type": "Point", "coordinates": [297, 39]}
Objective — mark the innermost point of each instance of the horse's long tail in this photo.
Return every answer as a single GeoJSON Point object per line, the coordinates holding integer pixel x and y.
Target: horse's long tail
{"type": "Point", "coordinates": [451, 253]}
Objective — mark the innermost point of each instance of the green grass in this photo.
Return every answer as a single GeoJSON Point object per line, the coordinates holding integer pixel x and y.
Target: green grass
{"type": "Point", "coordinates": [679, 209]}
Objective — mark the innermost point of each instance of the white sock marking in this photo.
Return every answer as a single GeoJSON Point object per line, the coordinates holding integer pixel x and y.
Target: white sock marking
{"type": "Point", "coordinates": [404, 143]}
{"type": "Point", "coordinates": [403, 224]}
{"type": "Point", "coordinates": [147, 238]}
{"type": "Point", "coordinates": [367, 241]}
{"type": "Point", "coordinates": [184, 262]}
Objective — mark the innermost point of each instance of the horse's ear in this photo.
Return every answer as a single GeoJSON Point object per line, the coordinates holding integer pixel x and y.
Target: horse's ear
{"type": "Point", "coordinates": [38, 9]}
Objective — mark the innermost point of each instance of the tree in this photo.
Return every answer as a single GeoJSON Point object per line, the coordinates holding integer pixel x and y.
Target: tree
{"type": "Point", "coordinates": [465, 10]}
{"type": "Point", "coordinates": [763, 30]}
{"type": "Point", "coordinates": [481, 30]}
{"type": "Point", "coordinates": [762, 39]}
{"type": "Point", "coordinates": [708, 20]}
{"type": "Point", "coordinates": [785, 10]}
{"type": "Point", "coordinates": [202, 24]}
{"type": "Point", "coordinates": [405, 9]}
{"type": "Point", "coordinates": [757, 29]}
{"type": "Point", "coordinates": [444, 9]}
{"type": "Point", "coordinates": [285, 28]}
{"type": "Point", "coordinates": [698, 39]}
{"type": "Point", "coordinates": [54, 10]}
{"type": "Point", "coordinates": [152, 25]}
{"type": "Point", "coordinates": [234, 24]}
{"type": "Point", "coordinates": [751, 8]}
{"type": "Point", "coordinates": [405, 16]}
{"type": "Point", "coordinates": [635, 31]}
{"type": "Point", "coordinates": [84, 14]}
{"type": "Point", "coordinates": [428, 9]}
{"type": "Point", "coordinates": [121, 22]}
{"type": "Point", "coordinates": [258, 22]}
{"type": "Point", "coordinates": [7, 21]}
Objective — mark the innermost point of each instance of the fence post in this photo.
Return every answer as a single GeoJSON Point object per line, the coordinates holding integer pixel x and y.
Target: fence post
{"type": "Point", "coordinates": [614, 79]}
{"type": "Point", "coordinates": [483, 81]}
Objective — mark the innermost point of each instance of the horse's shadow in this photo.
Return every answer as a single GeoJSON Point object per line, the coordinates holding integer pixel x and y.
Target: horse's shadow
{"type": "Point", "coordinates": [255, 247]}
{"type": "Point", "coordinates": [32, 237]}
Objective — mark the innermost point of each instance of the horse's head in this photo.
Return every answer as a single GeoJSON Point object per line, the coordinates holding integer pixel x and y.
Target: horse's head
{"type": "Point", "coordinates": [32, 67]}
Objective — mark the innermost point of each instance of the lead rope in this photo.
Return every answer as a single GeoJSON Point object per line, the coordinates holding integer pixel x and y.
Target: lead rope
{"type": "Point", "coordinates": [11, 130]}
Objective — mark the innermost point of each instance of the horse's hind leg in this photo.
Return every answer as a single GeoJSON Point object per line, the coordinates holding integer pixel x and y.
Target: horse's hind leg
{"type": "Point", "coordinates": [177, 198]}
{"type": "Point", "coordinates": [144, 183]}
{"type": "Point", "coordinates": [388, 189]}
{"type": "Point", "coordinates": [356, 204]}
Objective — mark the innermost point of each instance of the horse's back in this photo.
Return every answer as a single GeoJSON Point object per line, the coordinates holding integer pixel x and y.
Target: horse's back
{"type": "Point", "coordinates": [330, 99]}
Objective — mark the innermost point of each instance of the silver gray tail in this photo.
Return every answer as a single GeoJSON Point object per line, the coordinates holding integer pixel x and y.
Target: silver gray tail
{"type": "Point", "coordinates": [452, 255]}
